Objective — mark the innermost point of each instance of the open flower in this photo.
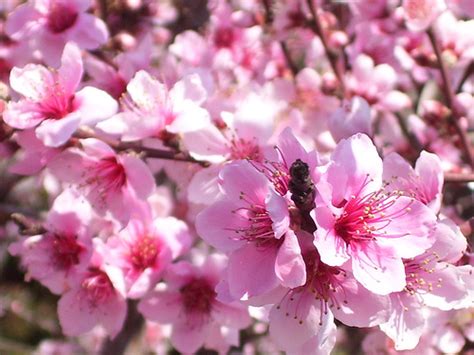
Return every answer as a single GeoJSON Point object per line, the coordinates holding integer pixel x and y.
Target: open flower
{"type": "Point", "coordinates": [432, 280]}
{"type": "Point", "coordinates": [303, 319]}
{"type": "Point", "coordinates": [252, 223]}
{"type": "Point", "coordinates": [109, 181]}
{"type": "Point", "coordinates": [150, 109]}
{"type": "Point", "coordinates": [189, 303]}
{"type": "Point", "coordinates": [361, 222]}
{"type": "Point", "coordinates": [145, 248]}
{"type": "Point", "coordinates": [96, 298]}
{"type": "Point", "coordinates": [50, 24]}
{"type": "Point", "coordinates": [64, 250]}
{"type": "Point", "coordinates": [51, 103]}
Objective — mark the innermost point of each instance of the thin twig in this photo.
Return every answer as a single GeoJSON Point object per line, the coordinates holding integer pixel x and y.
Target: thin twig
{"type": "Point", "coordinates": [26, 225]}
{"type": "Point", "coordinates": [458, 177]}
{"type": "Point", "coordinates": [318, 30]}
{"type": "Point", "coordinates": [469, 71]}
{"type": "Point", "coordinates": [147, 152]}
{"type": "Point", "coordinates": [409, 135]}
{"type": "Point", "coordinates": [289, 61]}
{"type": "Point", "coordinates": [451, 100]}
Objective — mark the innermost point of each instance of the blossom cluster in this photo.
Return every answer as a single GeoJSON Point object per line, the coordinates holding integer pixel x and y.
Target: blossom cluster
{"type": "Point", "coordinates": [252, 175]}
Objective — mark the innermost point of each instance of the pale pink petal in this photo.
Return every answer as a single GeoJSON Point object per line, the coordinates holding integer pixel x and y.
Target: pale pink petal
{"type": "Point", "coordinates": [290, 267]}
{"type": "Point", "coordinates": [251, 271]}
{"type": "Point", "coordinates": [190, 118]}
{"type": "Point", "coordinates": [22, 22]}
{"type": "Point", "coordinates": [428, 167]}
{"type": "Point", "coordinates": [450, 340]}
{"type": "Point", "coordinates": [70, 72]}
{"type": "Point", "coordinates": [378, 269]}
{"type": "Point", "coordinates": [75, 315]}
{"type": "Point", "coordinates": [90, 32]}
{"type": "Point", "coordinates": [33, 81]}
{"type": "Point", "coordinates": [218, 226]}
{"type": "Point", "coordinates": [353, 117]}
{"type": "Point", "coordinates": [358, 307]}
{"type": "Point", "coordinates": [235, 316]}
{"type": "Point", "coordinates": [293, 323]}
{"type": "Point", "coordinates": [204, 187]}
{"type": "Point", "coordinates": [163, 307]}
{"type": "Point", "coordinates": [359, 158]}
{"type": "Point", "coordinates": [240, 178]}
{"type": "Point", "coordinates": [447, 291]}
{"type": "Point", "coordinates": [94, 105]}
{"type": "Point", "coordinates": [450, 244]}
{"type": "Point", "coordinates": [55, 133]}
{"type": "Point", "coordinates": [188, 339]}
{"type": "Point", "coordinates": [139, 176]}
{"type": "Point", "coordinates": [395, 101]}
{"type": "Point", "coordinates": [189, 88]}
{"type": "Point", "coordinates": [406, 323]}
{"type": "Point", "coordinates": [207, 144]}
{"type": "Point", "coordinates": [23, 114]}
{"type": "Point", "coordinates": [277, 208]}
{"type": "Point", "coordinates": [332, 248]}
{"type": "Point", "coordinates": [409, 234]}
{"type": "Point", "coordinates": [112, 314]}
{"type": "Point", "coordinates": [176, 234]}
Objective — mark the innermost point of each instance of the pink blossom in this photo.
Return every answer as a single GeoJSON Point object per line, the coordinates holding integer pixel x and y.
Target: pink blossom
{"type": "Point", "coordinates": [64, 250]}
{"type": "Point", "coordinates": [376, 84]}
{"type": "Point", "coordinates": [425, 182]}
{"type": "Point", "coordinates": [97, 298]}
{"type": "Point", "coordinates": [353, 117]}
{"type": "Point", "coordinates": [252, 222]}
{"type": "Point", "coordinates": [151, 110]}
{"type": "Point", "coordinates": [50, 24]}
{"type": "Point", "coordinates": [109, 181]}
{"type": "Point", "coordinates": [420, 14]}
{"type": "Point", "coordinates": [304, 317]}
{"type": "Point", "coordinates": [51, 103]}
{"type": "Point", "coordinates": [432, 280]}
{"type": "Point", "coordinates": [189, 303]}
{"type": "Point", "coordinates": [35, 154]}
{"type": "Point", "coordinates": [145, 248]}
{"type": "Point", "coordinates": [361, 222]}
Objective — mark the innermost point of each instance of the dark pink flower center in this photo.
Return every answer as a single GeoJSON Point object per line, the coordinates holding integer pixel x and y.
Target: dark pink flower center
{"type": "Point", "coordinates": [224, 37]}
{"type": "Point", "coordinates": [365, 218]}
{"type": "Point", "coordinates": [66, 251]}
{"type": "Point", "coordinates": [198, 296]}
{"type": "Point", "coordinates": [278, 173]}
{"type": "Point", "coordinates": [144, 253]}
{"type": "Point", "coordinates": [57, 104]}
{"type": "Point", "coordinates": [258, 226]}
{"type": "Point", "coordinates": [108, 175]}
{"type": "Point", "coordinates": [244, 149]}
{"type": "Point", "coordinates": [61, 17]}
{"type": "Point", "coordinates": [97, 286]}
{"type": "Point", "coordinates": [323, 283]}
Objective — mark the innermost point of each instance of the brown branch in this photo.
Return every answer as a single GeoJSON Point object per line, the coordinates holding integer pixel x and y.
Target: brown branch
{"type": "Point", "coordinates": [26, 225]}
{"type": "Point", "coordinates": [458, 178]}
{"type": "Point", "coordinates": [469, 71]}
{"type": "Point", "coordinates": [132, 326]}
{"type": "Point", "coordinates": [291, 65]}
{"type": "Point", "coordinates": [145, 151]}
{"type": "Point", "coordinates": [317, 28]}
{"type": "Point", "coordinates": [409, 135]}
{"type": "Point", "coordinates": [467, 228]}
{"type": "Point", "coordinates": [268, 11]}
{"type": "Point", "coordinates": [451, 100]}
